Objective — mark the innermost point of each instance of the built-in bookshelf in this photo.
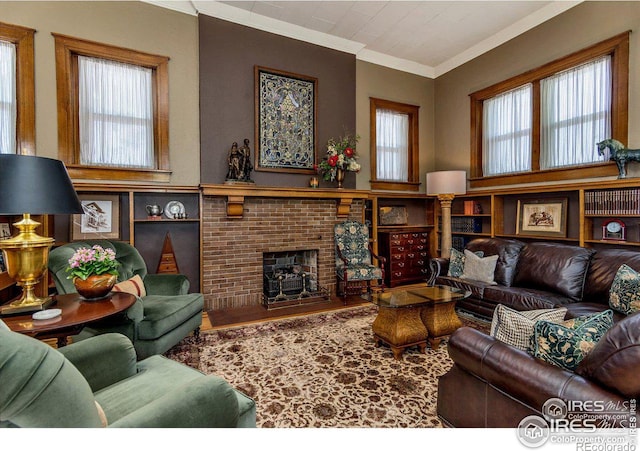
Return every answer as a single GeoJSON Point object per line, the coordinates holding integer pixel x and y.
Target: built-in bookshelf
{"type": "Point", "coordinates": [589, 208]}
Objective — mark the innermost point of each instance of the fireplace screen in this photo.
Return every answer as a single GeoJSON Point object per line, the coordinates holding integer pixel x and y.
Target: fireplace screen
{"type": "Point", "coordinates": [291, 278]}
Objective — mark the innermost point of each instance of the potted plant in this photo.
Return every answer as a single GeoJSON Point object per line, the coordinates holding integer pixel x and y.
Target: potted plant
{"type": "Point", "coordinates": [94, 271]}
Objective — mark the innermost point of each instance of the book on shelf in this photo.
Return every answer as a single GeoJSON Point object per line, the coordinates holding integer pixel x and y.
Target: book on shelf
{"type": "Point", "coordinates": [472, 207]}
{"type": "Point", "coordinates": [612, 202]}
{"type": "Point", "coordinates": [464, 225]}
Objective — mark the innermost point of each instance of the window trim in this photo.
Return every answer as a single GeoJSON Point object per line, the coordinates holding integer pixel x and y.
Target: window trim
{"type": "Point", "coordinates": [618, 48]}
{"type": "Point", "coordinates": [22, 38]}
{"type": "Point", "coordinates": [67, 50]}
{"type": "Point", "coordinates": [412, 111]}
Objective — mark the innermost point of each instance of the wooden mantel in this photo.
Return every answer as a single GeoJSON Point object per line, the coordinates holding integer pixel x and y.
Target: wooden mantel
{"type": "Point", "coordinates": [236, 194]}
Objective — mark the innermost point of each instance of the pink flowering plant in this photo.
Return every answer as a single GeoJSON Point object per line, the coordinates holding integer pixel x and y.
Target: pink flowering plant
{"type": "Point", "coordinates": [94, 261]}
{"type": "Point", "coordinates": [341, 154]}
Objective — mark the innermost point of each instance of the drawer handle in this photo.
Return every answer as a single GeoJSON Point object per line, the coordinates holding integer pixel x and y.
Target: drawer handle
{"type": "Point", "coordinates": [410, 241]}
{"type": "Point", "coordinates": [401, 249]}
{"type": "Point", "coordinates": [401, 264]}
{"type": "Point", "coordinates": [420, 247]}
{"type": "Point", "coordinates": [411, 255]}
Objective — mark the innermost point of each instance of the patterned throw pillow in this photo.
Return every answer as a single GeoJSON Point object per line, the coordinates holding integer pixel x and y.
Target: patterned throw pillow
{"type": "Point", "coordinates": [624, 294]}
{"type": "Point", "coordinates": [515, 328]}
{"type": "Point", "coordinates": [567, 343]}
{"type": "Point", "coordinates": [456, 262]}
{"type": "Point", "coordinates": [479, 268]}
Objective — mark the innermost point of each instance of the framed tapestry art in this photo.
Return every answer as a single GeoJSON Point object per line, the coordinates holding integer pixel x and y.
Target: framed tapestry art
{"type": "Point", "coordinates": [546, 217]}
{"type": "Point", "coordinates": [285, 116]}
{"type": "Point", "coordinates": [101, 218]}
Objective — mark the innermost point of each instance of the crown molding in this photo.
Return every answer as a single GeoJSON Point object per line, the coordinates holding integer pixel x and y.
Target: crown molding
{"type": "Point", "coordinates": [263, 23]}
{"type": "Point", "coordinates": [240, 16]}
{"type": "Point", "coordinates": [531, 21]}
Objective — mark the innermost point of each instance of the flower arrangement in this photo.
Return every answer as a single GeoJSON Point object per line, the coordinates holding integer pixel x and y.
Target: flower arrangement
{"type": "Point", "coordinates": [341, 154]}
{"type": "Point", "coordinates": [95, 261]}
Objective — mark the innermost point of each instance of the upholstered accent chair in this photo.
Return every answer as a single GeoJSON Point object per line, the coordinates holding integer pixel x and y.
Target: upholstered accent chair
{"type": "Point", "coordinates": [354, 259]}
{"type": "Point", "coordinates": [99, 382]}
{"type": "Point", "coordinates": [166, 314]}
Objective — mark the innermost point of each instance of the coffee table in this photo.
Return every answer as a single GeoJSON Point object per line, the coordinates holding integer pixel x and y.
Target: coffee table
{"type": "Point", "coordinates": [76, 313]}
{"type": "Point", "coordinates": [415, 316]}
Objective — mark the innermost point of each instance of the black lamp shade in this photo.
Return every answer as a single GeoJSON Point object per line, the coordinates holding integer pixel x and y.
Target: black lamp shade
{"type": "Point", "coordinates": [36, 185]}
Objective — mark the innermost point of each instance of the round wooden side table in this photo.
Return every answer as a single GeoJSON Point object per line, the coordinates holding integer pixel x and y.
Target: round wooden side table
{"type": "Point", "coordinates": [76, 313]}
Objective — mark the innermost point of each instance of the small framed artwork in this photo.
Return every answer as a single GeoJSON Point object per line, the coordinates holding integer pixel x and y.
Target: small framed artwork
{"type": "Point", "coordinates": [101, 218]}
{"type": "Point", "coordinates": [285, 121]}
{"type": "Point", "coordinates": [544, 217]}
{"type": "Point", "coordinates": [5, 230]}
{"type": "Point", "coordinates": [393, 215]}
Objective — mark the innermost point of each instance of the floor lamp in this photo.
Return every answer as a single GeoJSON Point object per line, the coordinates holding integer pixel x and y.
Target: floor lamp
{"type": "Point", "coordinates": [31, 185]}
{"type": "Point", "coordinates": [445, 185]}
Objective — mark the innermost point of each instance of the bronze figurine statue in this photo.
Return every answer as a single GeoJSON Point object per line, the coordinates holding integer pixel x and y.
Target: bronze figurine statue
{"type": "Point", "coordinates": [239, 161]}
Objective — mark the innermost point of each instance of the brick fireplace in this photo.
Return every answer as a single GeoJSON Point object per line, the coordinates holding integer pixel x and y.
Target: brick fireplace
{"type": "Point", "coordinates": [233, 247]}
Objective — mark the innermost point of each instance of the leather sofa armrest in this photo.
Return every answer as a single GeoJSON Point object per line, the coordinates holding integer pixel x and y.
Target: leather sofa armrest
{"type": "Point", "coordinates": [206, 402]}
{"type": "Point", "coordinates": [103, 360]}
{"type": "Point", "coordinates": [519, 374]}
{"type": "Point", "coordinates": [166, 284]}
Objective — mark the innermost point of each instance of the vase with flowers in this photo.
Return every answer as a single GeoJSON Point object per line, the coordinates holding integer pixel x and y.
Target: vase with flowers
{"type": "Point", "coordinates": [94, 271]}
{"type": "Point", "coordinates": [341, 157]}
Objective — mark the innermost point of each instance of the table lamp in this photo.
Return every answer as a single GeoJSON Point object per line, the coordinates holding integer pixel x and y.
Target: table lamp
{"type": "Point", "coordinates": [31, 185]}
{"type": "Point", "coordinates": [445, 185]}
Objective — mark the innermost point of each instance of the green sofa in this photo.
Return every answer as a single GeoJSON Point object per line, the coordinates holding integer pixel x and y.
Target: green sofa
{"type": "Point", "coordinates": [157, 321]}
{"type": "Point", "coordinates": [49, 388]}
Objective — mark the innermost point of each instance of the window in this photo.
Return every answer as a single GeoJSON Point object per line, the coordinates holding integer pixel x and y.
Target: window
{"type": "Point", "coordinates": [112, 111]}
{"type": "Point", "coordinates": [17, 105]}
{"type": "Point", "coordinates": [544, 125]}
{"type": "Point", "coordinates": [394, 145]}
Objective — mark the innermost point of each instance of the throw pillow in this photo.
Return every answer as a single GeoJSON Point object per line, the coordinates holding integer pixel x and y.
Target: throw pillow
{"type": "Point", "coordinates": [133, 286]}
{"type": "Point", "coordinates": [456, 262]}
{"type": "Point", "coordinates": [515, 328]}
{"type": "Point", "coordinates": [567, 343]}
{"type": "Point", "coordinates": [477, 268]}
{"type": "Point", "coordinates": [624, 294]}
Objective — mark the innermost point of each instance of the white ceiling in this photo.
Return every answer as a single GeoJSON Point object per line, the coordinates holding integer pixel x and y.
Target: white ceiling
{"type": "Point", "coordinates": [428, 38]}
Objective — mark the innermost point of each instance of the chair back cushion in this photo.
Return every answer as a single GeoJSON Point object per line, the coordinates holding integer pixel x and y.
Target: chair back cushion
{"type": "Point", "coordinates": [602, 270]}
{"type": "Point", "coordinates": [352, 238]}
{"type": "Point", "coordinates": [131, 262]}
{"type": "Point", "coordinates": [40, 388]}
{"type": "Point", "coordinates": [559, 268]}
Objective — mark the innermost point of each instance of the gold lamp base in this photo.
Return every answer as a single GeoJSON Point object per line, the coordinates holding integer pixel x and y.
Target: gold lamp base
{"type": "Point", "coordinates": [26, 256]}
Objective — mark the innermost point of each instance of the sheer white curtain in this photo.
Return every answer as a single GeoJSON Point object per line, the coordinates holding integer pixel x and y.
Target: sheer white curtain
{"type": "Point", "coordinates": [575, 114]}
{"type": "Point", "coordinates": [506, 132]}
{"type": "Point", "coordinates": [116, 114]}
{"type": "Point", "coordinates": [7, 97]}
{"type": "Point", "coordinates": [392, 145]}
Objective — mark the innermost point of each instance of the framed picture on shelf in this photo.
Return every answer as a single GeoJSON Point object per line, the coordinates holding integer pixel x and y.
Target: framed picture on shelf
{"type": "Point", "coordinates": [5, 230]}
{"type": "Point", "coordinates": [393, 215]}
{"type": "Point", "coordinates": [101, 218]}
{"type": "Point", "coordinates": [285, 121]}
{"type": "Point", "coordinates": [543, 217]}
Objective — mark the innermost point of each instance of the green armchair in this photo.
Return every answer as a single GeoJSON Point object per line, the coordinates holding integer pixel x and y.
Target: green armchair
{"type": "Point", "coordinates": [158, 320]}
{"type": "Point", "coordinates": [98, 381]}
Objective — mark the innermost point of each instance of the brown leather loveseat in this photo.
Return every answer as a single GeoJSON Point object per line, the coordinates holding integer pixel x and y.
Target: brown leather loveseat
{"type": "Point", "coordinates": [541, 275]}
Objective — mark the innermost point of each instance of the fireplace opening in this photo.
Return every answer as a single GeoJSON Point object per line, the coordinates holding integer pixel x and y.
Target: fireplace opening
{"type": "Point", "coordinates": [291, 278]}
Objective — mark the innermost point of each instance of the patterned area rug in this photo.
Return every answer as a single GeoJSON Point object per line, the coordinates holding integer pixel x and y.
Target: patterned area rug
{"type": "Point", "coordinates": [322, 370]}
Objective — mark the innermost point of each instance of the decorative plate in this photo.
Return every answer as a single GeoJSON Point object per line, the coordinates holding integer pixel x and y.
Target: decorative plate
{"type": "Point", "coordinates": [47, 314]}
{"type": "Point", "coordinates": [173, 208]}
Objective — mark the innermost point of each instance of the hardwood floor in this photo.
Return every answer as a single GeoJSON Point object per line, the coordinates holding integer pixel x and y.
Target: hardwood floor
{"type": "Point", "coordinates": [217, 319]}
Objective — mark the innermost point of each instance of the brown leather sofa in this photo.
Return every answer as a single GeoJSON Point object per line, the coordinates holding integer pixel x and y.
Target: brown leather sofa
{"type": "Point", "coordinates": [541, 275]}
{"type": "Point", "coordinates": [492, 384]}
